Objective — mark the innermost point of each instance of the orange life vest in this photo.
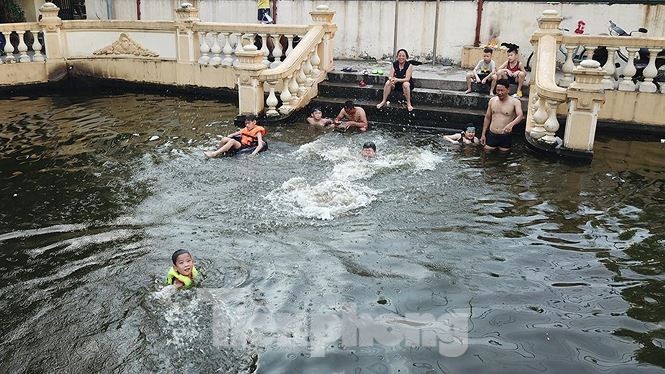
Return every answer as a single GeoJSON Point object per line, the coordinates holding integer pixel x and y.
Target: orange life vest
{"type": "Point", "coordinates": [250, 136]}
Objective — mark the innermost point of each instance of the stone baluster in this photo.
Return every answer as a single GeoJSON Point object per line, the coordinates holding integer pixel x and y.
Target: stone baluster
{"type": "Point", "coordinates": [586, 97]}
{"type": "Point", "coordinates": [293, 88]}
{"type": "Point", "coordinates": [9, 49]}
{"type": "Point", "coordinates": [271, 101]}
{"type": "Point", "coordinates": [590, 49]}
{"type": "Point", "coordinates": [216, 49]}
{"type": "Point", "coordinates": [204, 48]}
{"type": "Point", "coordinates": [629, 71]}
{"type": "Point", "coordinates": [551, 124]}
{"type": "Point", "coordinates": [609, 68]}
{"type": "Point", "coordinates": [316, 61]}
{"type": "Point", "coordinates": [539, 118]}
{"type": "Point", "coordinates": [568, 67]}
{"type": "Point", "coordinates": [50, 25]}
{"type": "Point", "coordinates": [276, 51]}
{"type": "Point", "coordinates": [324, 16]}
{"type": "Point", "coordinates": [264, 49]}
{"type": "Point", "coordinates": [22, 47]}
{"type": "Point", "coordinates": [290, 46]}
{"type": "Point", "coordinates": [227, 50]}
{"type": "Point", "coordinates": [650, 72]}
{"type": "Point", "coordinates": [301, 78]}
{"type": "Point", "coordinates": [307, 69]}
{"type": "Point", "coordinates": [285, 96]}
{"type": "Point", "coordinates": [37, 47]}
{"type": "Point", "coordinates": [250, 88]}
{"type": "Point", "coordinates": [239, 48]}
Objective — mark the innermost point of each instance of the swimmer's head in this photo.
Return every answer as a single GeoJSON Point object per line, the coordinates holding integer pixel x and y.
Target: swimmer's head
{"type": "Point", "coordinates": [316, 113]}
{"type": "Point", "coordinates": [470, 132]}
{"type": "Point", "coordinates": [369, 150]}
{"type": "Point", "coordinates": [349, 107]}
{"type": "Point", "coordinates": [183, 261]}
{"type": "Point", "coordinates": [250, 120]}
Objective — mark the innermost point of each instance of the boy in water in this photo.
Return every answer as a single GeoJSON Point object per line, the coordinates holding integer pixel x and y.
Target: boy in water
{"type": "Point", "coordinates": [483, 71]}
{"type": "Point", "coordinates": [465, 137]}
{"type": "Point", "coordinates": [249, 136]}
{"type": "Point", "coordinates": [182, 274]}
{"type": "Point", "coordinates": [369, 150]}
{"type": "Point", "coordinates": [316, 118]}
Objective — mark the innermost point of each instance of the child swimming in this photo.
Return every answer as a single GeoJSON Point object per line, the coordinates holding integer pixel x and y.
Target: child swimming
{"type": "Point", "coordinates": [182, 273]}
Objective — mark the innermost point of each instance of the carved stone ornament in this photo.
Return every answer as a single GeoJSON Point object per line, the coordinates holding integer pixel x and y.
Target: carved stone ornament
{"type": "Point", "coordinates": [125, 46]}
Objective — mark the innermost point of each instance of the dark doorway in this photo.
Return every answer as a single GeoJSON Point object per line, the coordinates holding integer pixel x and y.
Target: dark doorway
{"type": "Point", "coordinates": [71, 9]}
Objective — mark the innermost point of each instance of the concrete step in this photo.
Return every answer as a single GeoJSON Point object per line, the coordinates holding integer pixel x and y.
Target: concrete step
{"type": "Point", "coordinates": [420, 96]}
{"type": "Point", "coordinates": [433, 117]}
{"type": "Point", "coordinates": [442, 82]}
{"type": "Point", "coordinates": [437, 84]}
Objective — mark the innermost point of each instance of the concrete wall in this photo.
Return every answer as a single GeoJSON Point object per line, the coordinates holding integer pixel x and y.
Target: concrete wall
{"type": "Point", "coordinates": [366, 27]}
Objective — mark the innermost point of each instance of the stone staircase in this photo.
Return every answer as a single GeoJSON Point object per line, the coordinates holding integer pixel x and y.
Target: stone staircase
{"type": "Point", "coordinates": [440, 103]}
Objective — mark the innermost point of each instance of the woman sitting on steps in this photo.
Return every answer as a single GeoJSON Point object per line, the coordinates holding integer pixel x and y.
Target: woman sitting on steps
{"type": "Point", "coordinates": [399, 79]}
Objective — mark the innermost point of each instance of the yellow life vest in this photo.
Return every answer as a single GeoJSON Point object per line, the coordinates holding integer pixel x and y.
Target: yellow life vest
{"type": "Point", "coordinates": [186, 281]}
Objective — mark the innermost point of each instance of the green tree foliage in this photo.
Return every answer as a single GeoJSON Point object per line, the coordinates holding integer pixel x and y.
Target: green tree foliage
{"type": "Point", "coordinates": [10, 12]}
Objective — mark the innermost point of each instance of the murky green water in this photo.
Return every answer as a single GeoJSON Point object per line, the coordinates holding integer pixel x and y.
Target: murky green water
{"type": "Point", "coordinates": [557, 267]}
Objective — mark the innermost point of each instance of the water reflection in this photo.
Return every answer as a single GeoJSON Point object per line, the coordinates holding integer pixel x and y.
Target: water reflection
{"type": "Point", "coordinates": [559, 265]}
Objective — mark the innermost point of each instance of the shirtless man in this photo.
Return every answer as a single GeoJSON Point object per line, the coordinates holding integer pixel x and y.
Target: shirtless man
{"type": "Point", "coordinates": [351, 116]}
{"type": "Point", "coordinates": [503, 113]}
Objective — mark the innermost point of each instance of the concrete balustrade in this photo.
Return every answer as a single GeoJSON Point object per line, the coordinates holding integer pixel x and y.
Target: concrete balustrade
{"type": "Point", "coordinates": [285, 61]}
{"type": "Point", "coordinates": [590, 92]}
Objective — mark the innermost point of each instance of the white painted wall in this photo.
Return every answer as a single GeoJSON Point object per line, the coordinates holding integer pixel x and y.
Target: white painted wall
{"type": "Point", "coordinates": [366, 26]}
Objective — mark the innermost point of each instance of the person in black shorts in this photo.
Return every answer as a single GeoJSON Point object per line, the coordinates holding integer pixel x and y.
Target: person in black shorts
{"type": "Point", "coordinates": [503, 113]}
{"type": "Point", "coordinates": [399, 79]}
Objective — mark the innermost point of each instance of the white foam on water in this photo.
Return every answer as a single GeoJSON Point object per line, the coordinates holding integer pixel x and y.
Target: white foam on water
{"type": "Point", "coordinates": [340, 192]}
{"type": "Point", "coordinates": [325, 200]}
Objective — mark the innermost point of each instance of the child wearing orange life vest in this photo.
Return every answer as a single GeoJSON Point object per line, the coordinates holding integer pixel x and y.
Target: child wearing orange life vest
{"type": "Point", "coordinates": [250, 136]}
{"type": "Point", "coordinates": [182, 274]}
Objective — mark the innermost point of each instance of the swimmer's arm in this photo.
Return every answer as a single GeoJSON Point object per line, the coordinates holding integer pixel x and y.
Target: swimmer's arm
{"type": "Point", "coordinates": [340, 116]}
{"type": "Point", "coordinates": [452, 138]}
{"type": "Point", "coordinates": [237, 133]}
{"type": "Point", "coordinates": [177, 283]}
{"type": "Point", "coordinates": [486, 121]}
{"type": "Point", "coordinates": [259, 139]}
{"type": "Point", "coordinates": [327, 121]}
{"type": "Point", "coordinates": [518, 110]}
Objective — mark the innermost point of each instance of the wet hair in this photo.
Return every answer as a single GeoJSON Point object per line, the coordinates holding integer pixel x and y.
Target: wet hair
{"type": "Point", "coordinates": [176, 254]}
{"type": "Point", "coordinates": [250, 118]}
{"type": "Point", "coordinates": [370, 145]}
{"type": "Point", "coordinates": [349, 104]}
{"type": "Point", "coordinates": [511, 47]}
{"type": "Point", "coordinates": [315, 110]}
{"type": "Point", "coordinates": [488, 50]}
{"type": "Point", "coordinates": [470, 128]}
{"type": "Point", "coordinates": [503, 82]}
{"type": "Point", "coordinates": [402, 50]}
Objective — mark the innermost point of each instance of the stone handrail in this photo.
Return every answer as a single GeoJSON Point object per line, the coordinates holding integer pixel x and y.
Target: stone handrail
{"type": "Point", "coordinates": [295, 58]}
{"type": "Point", "coordinates": [584, 97]}
{"type": "Point", "coordinates": [119, 25]}
{"type": "Point", "coordinates": [186, 51]}
{"type": "Point", "coordinates": [249, 28]}
{"type": "Point", "coordinates": [26, 26]}
{"type": "Point", "coordinates": [613, 41]}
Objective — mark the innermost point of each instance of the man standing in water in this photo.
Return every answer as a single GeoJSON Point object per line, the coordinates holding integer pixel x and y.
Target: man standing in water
{"type": "Point", "coordinates": [503, 113]}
